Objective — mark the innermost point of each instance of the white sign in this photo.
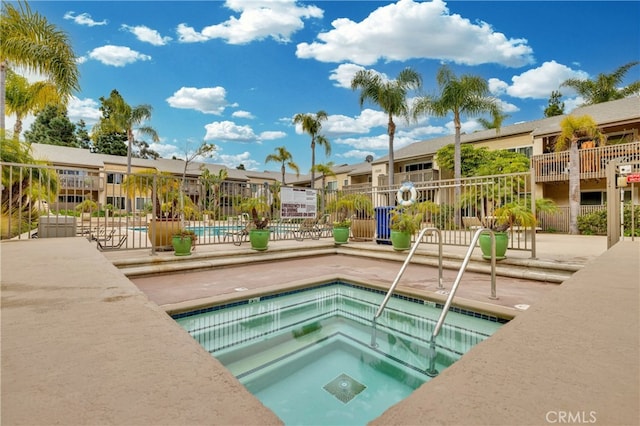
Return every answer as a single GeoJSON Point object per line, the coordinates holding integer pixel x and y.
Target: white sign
{"type": "Point", "coordinates": [298, 203]}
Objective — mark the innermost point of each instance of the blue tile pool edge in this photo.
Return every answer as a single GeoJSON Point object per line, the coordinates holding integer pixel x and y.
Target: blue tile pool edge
{"type": "Point", "coordinates": [344, 283]}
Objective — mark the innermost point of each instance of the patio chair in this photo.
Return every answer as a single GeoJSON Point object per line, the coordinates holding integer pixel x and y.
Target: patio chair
{"type": "Point", "coordinates": [111, 244]}
{"type": "Point", "coordinates": [310, 227]}
{"type": "Point", "coordinates": [239, 231]}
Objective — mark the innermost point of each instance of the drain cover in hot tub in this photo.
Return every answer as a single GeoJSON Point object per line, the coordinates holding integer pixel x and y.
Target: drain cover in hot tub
{"type": "Point", "coordinates": [344, 388]}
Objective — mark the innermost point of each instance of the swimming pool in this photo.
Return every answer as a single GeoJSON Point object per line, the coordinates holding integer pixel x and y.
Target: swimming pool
{"type": "Point", "coordinates": [306, 353]}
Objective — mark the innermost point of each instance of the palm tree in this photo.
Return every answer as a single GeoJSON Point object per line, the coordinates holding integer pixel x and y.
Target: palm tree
{"type": "Point", "coordinates": [285, 158]}
{"type": "Point", "coordinates": [312, 124]}
{"type": "Point", "coordinates": [212, 184]}
{"type": "Point", "coordinates": [118, 116]}
{"type": "Point", "coordinates": [390, 95]}
{"type": "Point", "coordinates": [27, 39]}
{"type": "Point", "coordinates": [573, 131]}
{"type": "Point", "coordinates": [21, 190]}
{"type": "Point", "coordinates": [23, 98]}
{"type": "Point", "coordinates": [465, 95]}
{"type": "Point", "coordinates": [606, 87]}
{"type": "Point", "coordinates": [497, 118]}
{"type": "Point", "coordinates": [325, 170]}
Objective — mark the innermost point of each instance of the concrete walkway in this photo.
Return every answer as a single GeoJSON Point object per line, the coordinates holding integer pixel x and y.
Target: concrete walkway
{"type": "Point", "coordinates": [81, 345]}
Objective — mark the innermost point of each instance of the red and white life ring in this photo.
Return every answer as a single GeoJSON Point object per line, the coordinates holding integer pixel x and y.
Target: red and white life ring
{"type": "Point", "coordinates": [406, 187]}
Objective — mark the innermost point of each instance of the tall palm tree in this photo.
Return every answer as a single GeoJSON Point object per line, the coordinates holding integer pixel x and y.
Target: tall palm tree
{"type": "Point", "coordinates": [27, 39]}
{"type": "Point", "coordinates": [390, 96]}
{"type": "Point", "coordinates": [312, 124]}
{"type": "Point", "coordinates": [285, 158]}
{"type": "Point", "coordinates": [573, 131]}
{"type": "Point", "coordinates": [118, 116]}
{"type": "Point", "coordinates": [606, 87]}
{"type": "Point", "coordinates": [497, 118]}
{"type": "Point", "coordinates": [325, 170]}
{"type": "Point", "coordinates": [23, 98]}
{"type": "Point", "coordinates": [212, 184]}
{"type": "Point", "coordinates": [465, 95]}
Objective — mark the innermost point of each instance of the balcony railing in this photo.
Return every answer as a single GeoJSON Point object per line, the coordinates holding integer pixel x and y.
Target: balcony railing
{"type": "Point", "coordinates": [554, 167]}
{"type": "Point", "coordinates": [415, 177]}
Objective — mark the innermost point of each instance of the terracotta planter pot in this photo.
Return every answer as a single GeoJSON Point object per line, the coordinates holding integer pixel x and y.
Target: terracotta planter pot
{"type": "Point", "coordinates": [161, 233]}
{"type": "Point", "coordinates": [363, 229]}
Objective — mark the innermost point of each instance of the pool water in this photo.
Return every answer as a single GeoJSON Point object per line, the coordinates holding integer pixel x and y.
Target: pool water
{"type": "Point", "coordinates": [307, 354]}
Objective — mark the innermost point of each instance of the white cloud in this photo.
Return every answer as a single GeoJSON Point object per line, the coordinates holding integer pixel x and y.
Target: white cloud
{"type": "Point", "coordinates": [117, 56]}
{"type": "Point", "coordinates": [538, 83]}
{"type": "Point", "coordinates": [187, 34]}
{"type": "Point", "coordinates": [83, 109]}
{"type": "Point", "coordinates": [355, 154]}
{"type": "Point", "coordinates": [271, 135]}
{"type": "Point", "coordinates": [258, 20]}
{"type": "Point", "coordinates": [146, 34]}
{"type": "Point", "coordinates": [409, 29]}
{"type": "Point", "coordinates": [233, 161]}
{"type": "Point", "coordinates": [84, 19]}
{"type": "Point", "coordinates": [229, 131]}
{"type": "Point", "coordinates": [208, 100]}
{"type": "Point", "coordinates": [243, 114]}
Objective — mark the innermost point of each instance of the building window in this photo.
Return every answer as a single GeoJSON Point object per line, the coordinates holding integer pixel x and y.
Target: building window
{"type": "Point", "coordinates": [142, 202]}
{"type": "Point", "coordinates": [114, 177]}
{"type": "Point", "coordinates": [332, 186]}
{"type": "Point", "coordinates": [593, 198]}
{"type": "Point", "coordinates": [418, 166]}
{"type": "Point", "coordinates": [116, 202]}
{"type": "Point", "coordinates": [526, 150]}
{"type": "Point", "coordinates": [70, 199]}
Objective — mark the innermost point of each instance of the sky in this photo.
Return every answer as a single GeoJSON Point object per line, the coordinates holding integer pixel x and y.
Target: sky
{"type": "Point", "coordinates": [234, 73]}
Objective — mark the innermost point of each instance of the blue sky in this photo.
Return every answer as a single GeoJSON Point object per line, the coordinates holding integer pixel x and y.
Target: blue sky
{"type": "Point", "coordinates": [234, 73]}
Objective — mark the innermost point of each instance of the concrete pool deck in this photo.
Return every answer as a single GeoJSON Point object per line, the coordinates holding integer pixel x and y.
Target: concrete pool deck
{"type": "Point", "coordinates": [574, 354]}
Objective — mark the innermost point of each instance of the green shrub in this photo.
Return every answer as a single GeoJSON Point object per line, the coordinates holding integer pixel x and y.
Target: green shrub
{"type": "Point", "coordinates": [596, 223]}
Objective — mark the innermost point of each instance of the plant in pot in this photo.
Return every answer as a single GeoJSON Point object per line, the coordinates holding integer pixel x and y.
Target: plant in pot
{"type": "Point", "coordinates": [85, 208]}
{"type": "Point", "coordinates": [363, 224]}
{"type": "Point", "coordinates": [341, 227]}
{"type": "Point", "coordinates": [505, 218]}
{"type": "Point", "coordinates": [405, 222]}
{"type": "Point", "coordinates": [184, 242]}
{"type": "Point", "coordinates": [164, 189]}
{"type": "Point", "coordinates": [260, 232]}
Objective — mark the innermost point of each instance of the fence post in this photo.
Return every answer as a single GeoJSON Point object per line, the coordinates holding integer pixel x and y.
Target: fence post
{"type": "Point", "coordinates": [613, 205]}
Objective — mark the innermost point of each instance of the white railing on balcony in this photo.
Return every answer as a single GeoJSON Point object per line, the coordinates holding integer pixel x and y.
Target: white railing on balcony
{"type": "Point", "coordinates": [554, 167]}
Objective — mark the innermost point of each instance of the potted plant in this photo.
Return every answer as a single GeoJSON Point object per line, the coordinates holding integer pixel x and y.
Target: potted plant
{"type": "Point", "coordinates": [341, 227]}
{"type": "Point", "coordinates": [183, 242]}
{"type": "Point", "coordinates": [166, 220]}
{"type": "Point", "coordinates": [85, 208]}
{"type": "Point", "coordinates": [259, 234]}
{"type": "Point", "coordinates": [405, 222]}
{"type": "Point", "coordinates": [363, 224]}
{"type": "Point", "coordinates": [507, 216]}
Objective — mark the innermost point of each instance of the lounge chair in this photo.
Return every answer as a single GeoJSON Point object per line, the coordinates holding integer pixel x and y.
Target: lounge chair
{"type": "Point", "coordinates": [313, 228]}
{"type": "Point", "coordinates": [239, 227]}
{"type": "Point", "coordinates": [111, 244]}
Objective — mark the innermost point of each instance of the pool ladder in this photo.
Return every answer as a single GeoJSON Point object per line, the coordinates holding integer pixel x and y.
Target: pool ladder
{"type": "Point", "coordinates": [431, 353]}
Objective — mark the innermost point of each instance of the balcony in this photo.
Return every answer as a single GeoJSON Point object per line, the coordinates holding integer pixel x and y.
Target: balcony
{"type": "Point", "coordinates": [553, 167]}
{"type": "Point", "coordinates": [90, 183]}
{"type": "Point", "coordinates": [415, 177]}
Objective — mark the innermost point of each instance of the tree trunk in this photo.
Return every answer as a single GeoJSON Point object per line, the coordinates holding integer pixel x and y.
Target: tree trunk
{"type": "Point", "coordinates": [391, 128]}
{"type": "Point", "coordinates": [457, 167]}
{"type": "Point", "coordinates": [313, 162]}
{"type": "Point", "coordinates": [574, 187]}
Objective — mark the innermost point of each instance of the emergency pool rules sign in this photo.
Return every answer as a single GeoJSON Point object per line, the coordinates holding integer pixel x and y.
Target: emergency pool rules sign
{"type": "Point", "coordinates": [298, 203]}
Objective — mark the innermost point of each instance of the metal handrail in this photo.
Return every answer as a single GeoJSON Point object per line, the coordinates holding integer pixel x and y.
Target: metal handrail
{"type": "Point", "coordinates": [402, 269]}
{"type": "Point", "coordinates": [431, 370]}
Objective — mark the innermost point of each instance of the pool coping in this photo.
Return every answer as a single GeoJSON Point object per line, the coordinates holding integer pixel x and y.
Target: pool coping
{"type": "Point", "coordinates": [467, 304]}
